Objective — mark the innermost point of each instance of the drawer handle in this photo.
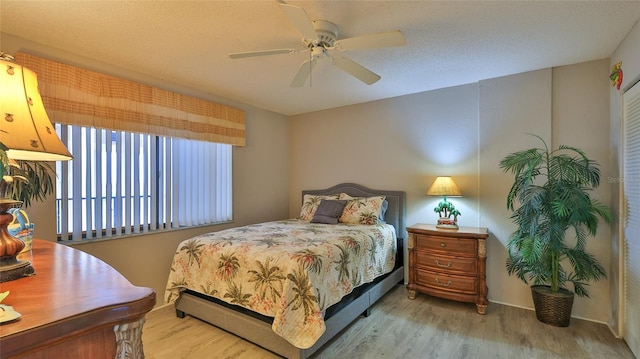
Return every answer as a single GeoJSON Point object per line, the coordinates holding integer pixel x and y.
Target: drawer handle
{"type": "Point", "coordinates": [442, 265]}
{"type": "Point", "coordinates": [443, 284]}
{"type": "Point", "coordinates": [442, 245]}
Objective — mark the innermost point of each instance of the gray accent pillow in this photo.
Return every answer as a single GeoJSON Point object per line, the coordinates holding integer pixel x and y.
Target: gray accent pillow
{"type": "Point", "coordinates": [329, 211]}
{"type": "Point", "coordinates": [383, 211]}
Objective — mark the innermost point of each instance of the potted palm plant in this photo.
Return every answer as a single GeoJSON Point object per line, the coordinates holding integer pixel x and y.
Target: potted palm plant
{"type": "Point", "coordinates": [554, 212]}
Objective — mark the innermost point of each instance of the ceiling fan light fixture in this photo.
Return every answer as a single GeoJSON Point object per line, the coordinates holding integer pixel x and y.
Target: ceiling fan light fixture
{"type": "Point", "coordinates": [317, 51]}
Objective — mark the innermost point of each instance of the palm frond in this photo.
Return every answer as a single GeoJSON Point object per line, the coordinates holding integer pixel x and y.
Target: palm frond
{"type": "Point", "coordinates": [31, 180]}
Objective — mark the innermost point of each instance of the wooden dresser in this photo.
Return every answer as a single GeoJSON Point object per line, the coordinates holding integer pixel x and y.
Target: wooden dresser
{"type": "Point", "coordinates": [448, 263]}
{"type": "Point", "coordinates": [75, 306]}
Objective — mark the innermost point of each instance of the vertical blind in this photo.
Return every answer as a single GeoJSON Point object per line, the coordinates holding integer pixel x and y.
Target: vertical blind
{"type": "Point", "coordinates": [631, 194]}
{"type": "Point", "coordinates": [122, 183]}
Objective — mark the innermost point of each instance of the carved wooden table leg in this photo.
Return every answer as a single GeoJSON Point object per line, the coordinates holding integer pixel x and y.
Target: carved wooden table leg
{"type": "Point", "coordinates": [411, 291]}
{"type": "Point", "coordinates": [482, 309]}
{"type": "Point", "coordinates": [129, 340]}
{"type": "Point", "coordinates": [482, 302]}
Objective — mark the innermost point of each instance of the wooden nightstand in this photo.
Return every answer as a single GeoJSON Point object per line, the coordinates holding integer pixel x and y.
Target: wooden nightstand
{"type": "Point", "coordinates": [449, 264]}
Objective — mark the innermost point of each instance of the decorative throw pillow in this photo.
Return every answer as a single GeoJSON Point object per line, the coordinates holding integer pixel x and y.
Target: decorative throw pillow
{"type": "Point", "coordinates": [383, 211]}
{"type": "Point", "coordinates": [310, 204]}
{"type": "Point", "coordinates": [363, 210]}
{"type": "Point", "coordinates": [329, 211]}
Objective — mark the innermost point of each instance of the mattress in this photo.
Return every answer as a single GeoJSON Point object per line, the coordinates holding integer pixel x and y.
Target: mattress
{"type": "Point", "coordinates": [289, 270]}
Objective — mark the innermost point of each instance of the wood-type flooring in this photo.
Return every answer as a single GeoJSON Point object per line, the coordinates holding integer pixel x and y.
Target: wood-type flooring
{"type": "Point", "coordinates": [398, 327]}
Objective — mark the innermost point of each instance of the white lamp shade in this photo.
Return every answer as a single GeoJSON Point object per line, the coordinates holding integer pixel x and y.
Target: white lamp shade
{"type": "Point", "coordinates": [25, 127]}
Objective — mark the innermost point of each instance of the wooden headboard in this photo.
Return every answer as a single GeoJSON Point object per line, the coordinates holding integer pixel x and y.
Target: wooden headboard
{"type": "Point", "coordinates": [395, 215]}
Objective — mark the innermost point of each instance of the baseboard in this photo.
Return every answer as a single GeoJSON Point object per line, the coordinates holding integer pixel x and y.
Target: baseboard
{"type": "Point", "coordinates": [573, 316]}
{"type": "Point", "coordinates": [158, 307]}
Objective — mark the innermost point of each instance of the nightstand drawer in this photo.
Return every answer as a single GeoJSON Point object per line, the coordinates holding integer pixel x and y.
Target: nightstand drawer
{"type": "Point", "coordinates": [455, 246]}
{"type": "Point", "coordinates": [446, 282]}
{"type": "Point", "coordinates": [460, 265]}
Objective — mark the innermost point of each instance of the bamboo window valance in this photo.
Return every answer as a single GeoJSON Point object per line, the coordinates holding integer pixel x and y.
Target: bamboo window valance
{"type": "Point", "coordinates": [76, 96]}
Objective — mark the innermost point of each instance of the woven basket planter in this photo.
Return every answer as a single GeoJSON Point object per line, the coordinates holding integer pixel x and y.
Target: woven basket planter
{"type": "Point", "coordinates": [553, 308]}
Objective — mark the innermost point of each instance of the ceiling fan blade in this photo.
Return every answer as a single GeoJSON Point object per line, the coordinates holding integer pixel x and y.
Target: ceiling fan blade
{"type": "Point", "coordinates": [356, 70]}
{"type": "Point", "coordinates": [371, 41]}
{"type": "Point", "coordinates": [303, 73]}
{"type": "Point", "coordinates": [239, 55]}
{"type": "Point", "coordinates": [299, 18]}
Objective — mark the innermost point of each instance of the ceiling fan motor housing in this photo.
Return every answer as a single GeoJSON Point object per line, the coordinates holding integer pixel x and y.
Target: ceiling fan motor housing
{"type": "Point", "coordinates": [327, 32]}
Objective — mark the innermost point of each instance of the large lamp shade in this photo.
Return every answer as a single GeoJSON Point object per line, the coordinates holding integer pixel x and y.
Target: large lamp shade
{"type": "Point", "coordinates": [25, 127]}
{"type": "Point", "coordinates": [444, 186]}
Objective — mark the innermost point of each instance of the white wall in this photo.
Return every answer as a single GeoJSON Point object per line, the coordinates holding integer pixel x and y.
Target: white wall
{"type": "Point", "coordinates": [510, 108]}
{"type": "Point", "coordinates": [401, 143]}
{"type": "Point", "coordinates": [581, 119]}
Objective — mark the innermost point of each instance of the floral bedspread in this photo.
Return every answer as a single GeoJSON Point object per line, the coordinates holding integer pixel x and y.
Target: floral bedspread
{"type": "Point", "coordinates": [290, 270]}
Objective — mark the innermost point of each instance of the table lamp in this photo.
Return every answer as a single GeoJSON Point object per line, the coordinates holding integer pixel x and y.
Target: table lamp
{"type": "Point", "coordinates": [26, 133]}
{"type": "Point", "coordinates": [445, 186]}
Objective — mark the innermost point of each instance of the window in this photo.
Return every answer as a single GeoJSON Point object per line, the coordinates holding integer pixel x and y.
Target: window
{"type": "Point", "coordinates": [122, 183]}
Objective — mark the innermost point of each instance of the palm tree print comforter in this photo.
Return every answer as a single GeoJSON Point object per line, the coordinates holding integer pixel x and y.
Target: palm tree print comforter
{"type": "Point", "coordinates": [290, 270]}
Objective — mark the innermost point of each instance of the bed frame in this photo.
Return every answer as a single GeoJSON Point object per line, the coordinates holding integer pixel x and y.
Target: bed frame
{"type": "Point", "coordinates": [257, 329]}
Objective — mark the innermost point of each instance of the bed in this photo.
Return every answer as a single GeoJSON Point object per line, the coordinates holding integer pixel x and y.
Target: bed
{"type": "Point", "coordinates": [286, 302]}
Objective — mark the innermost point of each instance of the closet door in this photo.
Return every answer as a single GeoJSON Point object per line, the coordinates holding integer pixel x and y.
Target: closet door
{"type": "Point", "coordinates": [631, 238]}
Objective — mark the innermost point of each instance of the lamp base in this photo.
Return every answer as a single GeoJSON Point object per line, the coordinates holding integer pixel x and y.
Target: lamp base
{"type": "Point", "coordinates": [10, 266]}
{"type": "Point", "coordinates": [447, 226]}
{"type": "Point", "coordinates": [15, 269]}
{"type": "Point", "coordinates": [447, 223]}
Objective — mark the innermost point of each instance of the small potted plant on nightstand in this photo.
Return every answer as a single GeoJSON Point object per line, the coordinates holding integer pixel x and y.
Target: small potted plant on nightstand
{"type": "Point", "coordinates": [551, 201]}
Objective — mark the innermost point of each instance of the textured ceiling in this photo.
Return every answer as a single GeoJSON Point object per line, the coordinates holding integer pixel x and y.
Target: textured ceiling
{"type": "Point", "coordinates": [449, 43]}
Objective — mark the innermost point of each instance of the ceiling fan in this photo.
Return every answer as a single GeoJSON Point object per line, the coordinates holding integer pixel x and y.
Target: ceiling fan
{"type": "Point", "coordinates": [320, 39]}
